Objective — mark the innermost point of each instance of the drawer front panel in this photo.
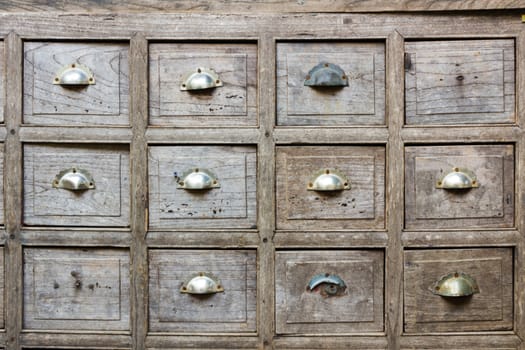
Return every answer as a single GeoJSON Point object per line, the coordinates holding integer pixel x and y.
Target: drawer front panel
{"type": "Point", "coordinates": [362, 102]}
{"type": "Point", "coordinates": [357, 308]}
{"type": "Point", "coordinates": [103, 103]}
{"type": "Point", "coordinates": [2, 81]}
{"type": "Point", "coordinates": [77, 289]}
{"type": "Point", "coordinates": [300, 207]}
{"type": "Point", "coordinates": [105, 205]}
{"type": "Point", "coordinates": [457, 82]}
{"type": "Point", "coordinates": [232, 204]}
{"type": "Point", "coordinates": [490, 309]}
{"type": "Point", "coordinates": [491, 204]}
{"type": "Point", "coordinates": [231, 310]}
{"type": "Point", "coordinates": [232, 104]}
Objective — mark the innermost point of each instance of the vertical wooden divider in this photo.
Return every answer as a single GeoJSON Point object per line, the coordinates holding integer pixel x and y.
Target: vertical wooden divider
{"type": "Point", "coordinates": [13, 190]}
{"type": "Point", "coordinates": [139, 190]}
{"type": "Point", "coordinates": [265, 191]}
{"type": "Point", "coordinates": [394, 190]}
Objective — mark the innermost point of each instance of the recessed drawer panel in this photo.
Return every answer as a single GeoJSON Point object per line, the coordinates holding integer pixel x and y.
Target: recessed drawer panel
{"type": "Point", "coordinates": [2, 79]}
{"type": "Point", "coordinates": [76, 289]}
{"type": "Point", "coordinates": [455, 290]}
{"type": "Point", "coordinates": [329, 291]}
{"type": "Point", "coordinates": [330, 187]}
{"type": "Point", "coordinates": [460, 82]}
{"type": "Point", "coordinates": [72, 185]}
{"type": "Point", "coordinates": [330, 84]}
{"type": "Point", "coordinates": [76, 83]}
{"type": "Point", "coordinates": [2, 288]}
{"type": "Point", "coordinates": [203, 84]}
{"type": "Point", "coordinates": [202, 290]}
{"type": "Point", "coordinates": [202, 187]}
{"type": "Point", "coordinates": [459, 186]}
{"type": "Point", "coordinates": [1, 184]}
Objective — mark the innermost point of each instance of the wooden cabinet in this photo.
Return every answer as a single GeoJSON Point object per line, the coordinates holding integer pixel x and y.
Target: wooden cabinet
{"type": "Point", "coordinates": [262, 175]}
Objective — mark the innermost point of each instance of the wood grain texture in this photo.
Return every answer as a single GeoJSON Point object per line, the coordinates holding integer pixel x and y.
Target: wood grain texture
{"type": "Point", "coordinates": [233, 310]}
{"type": "Point", "coordinates": [466, 341]}
{"type": "Point", "coordinates": [362, 206]}
{"type": "Point", "coordinates": [104, 103]}
{"type": "Point", "coordinates": [41, 340]}
{"type": "Point", "coordinates": [105, 205]}
{"type": "Point", "coordinates": [75, 134]}
{"type": "Point", "coordinates": [232, 104]}
{"type": "Point", "coordinates": [80, 236]}
{"type": "Point", "coordinates": [77, 289]}
{"type": "Point", "coordinates": [462, 237]}
{"type": "Point", "coordinates": [361, 103]}
{"type": "Point", "coordinates": [359, 308]}
{"type": "Point", "coordinates": [2, 80]}
{"type": "Point", "coordinates": [489, 205]}
{"type": "Point", "coordinates": [226, 341]}
{"type": "Point", "coordinates": [460, 82]}
{"type": "Point", "coordinates": [12, 182]}
{"type": "Point", "coordinates": [246, 6]}
{"type": "Point", "coordinates": [232, 205]}
{"type": "Point", "coordinates": [205, 238]}
{"type": "Point", "coordinates": [315, 342]}
{"type": "Point", "coordinates": [490, 309]}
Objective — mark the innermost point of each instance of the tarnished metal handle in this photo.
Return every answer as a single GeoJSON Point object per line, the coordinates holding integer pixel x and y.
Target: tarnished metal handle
{"type": "Point", "coordinates": [202, 283]}
{"type": "Point", "coordinates": [74, 179]}
{"type": "Point", "coordinates": [332, 284]}
{"type": "Point", "coordinates": [326, 74]}
{"type": "Point", "coordinates": [201, 79]}
{"type": "Point", "coordinates": [456, 284]}
{"type": "Point", "coordinates": [328, 180]}
{"type": "Point", "coordinates": [458, 178]}
{"type": "Point", "coordinates": [74, 74]}
{"type": "Point", "coordinates": [197, 179]}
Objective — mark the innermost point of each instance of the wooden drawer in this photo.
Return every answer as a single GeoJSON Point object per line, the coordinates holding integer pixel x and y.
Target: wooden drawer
{"type": "Point", "coordinates": [361, 204]}
{"type": "Point", "coordinates": [489, 310]}
{"type": "Point", "coordinates": [460, 82]}
{"type": "Point", "coordinates": [2, 83]}
{"type": "Point", "coordinates": [76, 289]}
{"type": "Point", "coordinates": [47, 201]}
{"type": "Point", "coordinates": [488, 168]}
{"type": "Point", "coordinates": [1, 183]}
{"type": "Point", "coordinates": [228, 200]}
{"type": "Point", "coordinates": [308, 303]}
{"type": "Point", "coordinates": [105, 102]}
{"type": "Point", "coordinates": [362, 102]}
{"type": "Point", "coordinates": [228, 306]}
{"type": "Point", "coordinates": [2, 288]}
{"type": "Point", "coordinates": [177, 99]}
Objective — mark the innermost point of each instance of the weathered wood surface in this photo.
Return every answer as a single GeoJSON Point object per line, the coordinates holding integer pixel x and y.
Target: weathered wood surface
{"type": "Point", "coordinates": [490, 309]}
{"type": "Point", "coordinates": [460, 82]}
{"type": "Point", "coordinates": [232, 104]}
{"type": "Point", "coordinates": [489, 205]}
{"type": "Point", "coordinates": [232, 205]}
{"type": "Point", "coordinates": [362, 206]}
{"type": "Point", "coordinates": [233, 310]}
{"type": "Point", "coordinates": [360, 103]}
{"type": "Point", "coordinates": [472, 341]}
{"type": "Point", "coordinates": [2, 82]}
{"type": "Point", "coordinates": [104, 103]}
{"type": "Point", "coordinates": [76, 289]}
{"type": "Point", "coordinates": [250, 6]}
{"type": "Point", "coordinates": [105, 205]}
{"type": "Point", "coordinates": [356, 308]}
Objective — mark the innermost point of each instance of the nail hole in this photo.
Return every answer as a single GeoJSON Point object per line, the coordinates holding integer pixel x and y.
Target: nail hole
{"type": "Point", "coordinates": [217, 81]}
{"type": "Point", "coordinates": [456, 169]}
{"type": "Point", "coordinates": [310, 185]}
{"type": "Point", "coordinates": [456, 275]}
{"type": "Point", "coordinates": [327, 171]}
{"type": "Point", "coordinates": [73, 65]}
{"type": "Point", "coordinates": [326, 64]}
{"type": "Point", "coordinates": [198, 70]}
{"type": "Point", "coordinates": [343, 77]}
{"type": "Point", "coordinates": [183, 85]}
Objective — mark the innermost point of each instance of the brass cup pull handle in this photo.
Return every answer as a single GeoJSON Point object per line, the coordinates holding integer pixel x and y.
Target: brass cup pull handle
{"type": "Point", "coordinates": [332, 284]}
{"type": "Point", "coordinates": [197, 179]}
{"type": "Point", "coordinates": [74, 179]}
{"type": "Point", "coordinates": [74, 74]}
{"type": "Point", "coordinates": [201, 79]}
{"type": "Point", "coordinates": [456, 284]}
{"type": "Point", "coordinates": [328, 180]}
{"type": "Point", "coordinates": [326, 74]}
{"type": "Point", "coordinates": [458, 178]}
{"type": "Point", "coordinates": [202, 283]}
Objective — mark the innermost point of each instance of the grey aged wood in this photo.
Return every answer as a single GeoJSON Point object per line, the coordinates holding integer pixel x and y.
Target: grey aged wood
{"type": "Point", "coordinates": [232, 205]}
{"type": "Point", "coordinates": [2, 80]}
{"type": "Point", "coordinates": [2, 288]}
{"type": "Point", "coordinates": [458, 82]}
{"type": "Point", "coordinates": [77, 289]}
{"type": "Point", "coordinates": [232, 104]}
{"type": "Point", "coordinates": [362, 206]}
{"type": "Point", "coordinates": [359, 308]}
{"type": "Point", "coordinates": [489, 205]}
{"type": "Point", "coordinates": [233, 310]}
{"type": "Point", "coordinates": [476, 340]}
{"type": "Point", "coordinates": [360, 103]}
{"type": "Point", "coordinates": [104, 103]}
{"type": "Point", "coordinates": [490, 309]}
{"type": "Point", "coordinates": [105, 205]}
